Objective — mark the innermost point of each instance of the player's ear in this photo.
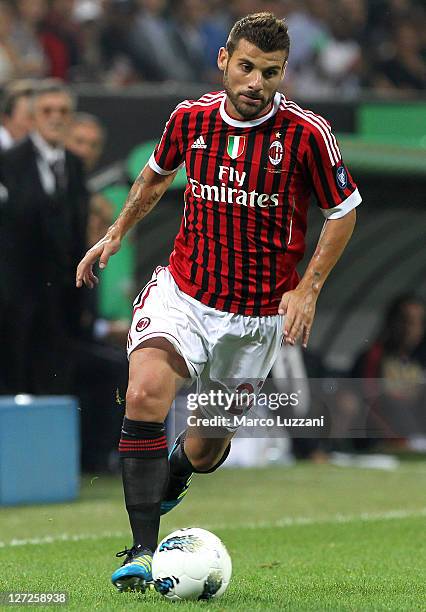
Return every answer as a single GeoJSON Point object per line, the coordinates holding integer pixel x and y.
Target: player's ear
{"type": "Point", "coordinates": [222, 59]}
{"type": "Point", "coordinates": [284, 69]}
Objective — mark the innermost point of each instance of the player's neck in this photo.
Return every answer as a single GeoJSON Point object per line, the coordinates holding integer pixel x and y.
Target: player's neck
{"type": "Point", "coordinates": [234, 114]}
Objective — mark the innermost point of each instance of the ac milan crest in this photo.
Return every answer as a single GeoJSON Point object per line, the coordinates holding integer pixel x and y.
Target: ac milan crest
{"type": "Point", "coordinates": [142, 324]}
{"type": "Point", "coordinates": [276, 152]}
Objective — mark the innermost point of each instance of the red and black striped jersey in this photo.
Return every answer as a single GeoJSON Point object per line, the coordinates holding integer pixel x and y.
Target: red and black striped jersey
{"type": "Point", "coordinates": [247, 196]}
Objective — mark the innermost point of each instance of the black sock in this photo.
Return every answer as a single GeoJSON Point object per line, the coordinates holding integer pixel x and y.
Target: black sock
{"type": "Point", "coordinates": [145, 471]}
{"type": "Point", "coordinates": [181, 466]}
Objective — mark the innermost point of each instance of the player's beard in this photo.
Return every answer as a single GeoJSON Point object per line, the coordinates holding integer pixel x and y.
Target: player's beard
{"type": "Point", "coordinates": [244, 110]}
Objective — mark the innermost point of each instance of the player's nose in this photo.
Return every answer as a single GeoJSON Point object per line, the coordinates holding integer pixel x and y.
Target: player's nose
{"type": "Point", "coordinates": [256, 81]}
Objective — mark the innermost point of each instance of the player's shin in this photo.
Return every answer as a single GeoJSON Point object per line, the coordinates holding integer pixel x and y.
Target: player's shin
{"type": "Point", "coordinates": [180, 464]}
{"type": "Point", "coordinates": [145, 471]}
{"type": "Point", "coordinates": [181, 470]}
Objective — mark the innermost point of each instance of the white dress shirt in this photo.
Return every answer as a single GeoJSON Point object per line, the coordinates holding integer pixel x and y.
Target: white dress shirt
{"type": "Point", "coordinates": [48, 155]}
{"type": "Point", "coordinates": [6, 140]}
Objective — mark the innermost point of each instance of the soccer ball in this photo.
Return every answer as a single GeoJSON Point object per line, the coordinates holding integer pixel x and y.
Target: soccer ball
{"type": "Point", "coordinates": [191, 563]}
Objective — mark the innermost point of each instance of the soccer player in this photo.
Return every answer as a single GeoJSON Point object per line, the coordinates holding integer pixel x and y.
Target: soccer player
{"type": "Point", "coordinates": [230, 293]}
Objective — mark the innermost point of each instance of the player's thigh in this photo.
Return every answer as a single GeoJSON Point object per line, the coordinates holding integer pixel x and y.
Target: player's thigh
{"type": "Point", "coordinates": [244, 356]}
{"type": "Point", "coordinates": [156, 373]}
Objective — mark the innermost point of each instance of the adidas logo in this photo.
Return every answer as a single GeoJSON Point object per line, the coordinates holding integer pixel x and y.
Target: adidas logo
{"type": "Point", "coordinates": [199, 143]}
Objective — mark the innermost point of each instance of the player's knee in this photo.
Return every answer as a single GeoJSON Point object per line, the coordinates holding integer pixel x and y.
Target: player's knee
{"type": "Point", "coordinates": [144, 401]}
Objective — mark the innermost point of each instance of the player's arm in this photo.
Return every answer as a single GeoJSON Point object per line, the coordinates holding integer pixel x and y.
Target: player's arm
{"type": "Point", "coordinates": [337, 196]}
{"type": "Point", "coordinates": [143, 196]}
{"type": "Point", "coordinates": [299, 304]}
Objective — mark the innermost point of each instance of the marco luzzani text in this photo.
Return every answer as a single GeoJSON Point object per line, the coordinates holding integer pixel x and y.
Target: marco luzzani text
{"type": "Point", "coordinates": [238, 404]}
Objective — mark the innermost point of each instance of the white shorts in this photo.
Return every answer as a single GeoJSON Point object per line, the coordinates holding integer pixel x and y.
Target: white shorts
{"type": "Point", "coordinates": [217, 346]}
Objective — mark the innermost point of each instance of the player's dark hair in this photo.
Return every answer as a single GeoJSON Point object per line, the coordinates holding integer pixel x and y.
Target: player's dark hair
{"type": "Point", "coordinates": [13, 92]}
{"type": "Point", "coordinates": [263, 30]}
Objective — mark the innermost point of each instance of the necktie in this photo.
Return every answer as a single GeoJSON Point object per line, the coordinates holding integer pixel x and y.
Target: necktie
{"type": "Point", "coordinates": [58, 171]}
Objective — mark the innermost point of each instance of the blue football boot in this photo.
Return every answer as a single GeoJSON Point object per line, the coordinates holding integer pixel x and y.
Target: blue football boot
{"type": "Point", "coordinates": [177, 486]}
{"type": "Point", "coordinates": [136, 572]}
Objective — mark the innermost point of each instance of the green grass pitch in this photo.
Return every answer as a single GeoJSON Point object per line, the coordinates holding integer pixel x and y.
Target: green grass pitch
{"type": "Point", "coordinates": [308, 537]}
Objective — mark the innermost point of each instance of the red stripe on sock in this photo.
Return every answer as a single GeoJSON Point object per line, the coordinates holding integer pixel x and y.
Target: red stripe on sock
{"type": "Point", "coordinates": [142, 451]}
{"type": "Point", "coordinates": [162, 445]}
{"type": "Point", "coordinates": [143, 444]}
{"type": "Point", "coordinates": [147, 442]}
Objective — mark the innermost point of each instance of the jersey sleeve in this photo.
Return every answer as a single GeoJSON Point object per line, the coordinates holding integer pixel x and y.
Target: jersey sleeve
{"type": "Point", "coordinates": [168, 155]}
{"type": "Point", "coordinates": [334, 187]}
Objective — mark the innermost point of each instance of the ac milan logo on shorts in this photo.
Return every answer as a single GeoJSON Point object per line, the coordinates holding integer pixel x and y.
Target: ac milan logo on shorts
{"type": "Point", "coordinates": [142, 324]}
{"type": "Point", "coordinates": [276, 151]}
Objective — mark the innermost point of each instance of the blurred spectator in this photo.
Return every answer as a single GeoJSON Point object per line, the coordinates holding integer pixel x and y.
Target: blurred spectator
{"type": "Point", "coordinates": [153, 40]}
{"type": "Point", "coordinates": [337, 46]}
{"type": "Point", "coordinates": [87, 10]}
{"type": "Point", "coordinates": [86, 138]}
{"type": "Point", "coordinates": [356, 13]}
{"type": "Point", "coordinates": [188, 19]}
{"type": "Point", "coordinates": [339, 59]}
{"type": "Point", "coordinates": [336, 66]}
{"type": "Point", "coordinates": [307, 31]}
{"type": "Point", "coordinates": [29, 15]}
{"type": "Point", "coordinates": [216, 29]}
{"type": "Point", "coordinates": [101, 373]}
{"type": "Point", "coordinates": [401, 335]}
{"type": "Point", "coordinates": [117, 54]}
{"type": "Point", "coordinates": [59, 39]}
{"type": "Point", "coordinates": [43, 236]}
{"type": "Point", "coordinates": [199, 34]}
{"type": "Point", "coordinates": [405, 67]}
{"type": "Point", "coordinates": [88, 20]}
{"type": "Point", "coordinates": [393, 373]}
{"type": "Point", "coordinates": [241, 8]}
{"type": "Point", "coordinates": [16, 118]}
{"type": "Point", "coordinates": [10, 65]}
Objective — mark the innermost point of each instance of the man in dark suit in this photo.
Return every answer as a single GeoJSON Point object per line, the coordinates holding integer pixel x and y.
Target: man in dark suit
{"type": "Point", "coordinates": [101, 375]}
{"type": "Point", "coordinates": [43, 218]}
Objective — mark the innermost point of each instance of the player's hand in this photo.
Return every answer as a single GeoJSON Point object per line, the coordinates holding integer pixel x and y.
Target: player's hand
{"type": "Point", "coordinates": [102, 250]}
{"type": "Point", "coordinates": [298, 306]}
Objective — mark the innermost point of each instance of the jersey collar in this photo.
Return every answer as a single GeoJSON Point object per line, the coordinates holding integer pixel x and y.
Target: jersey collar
{"type": "Point", "coordinates": [243, 124]}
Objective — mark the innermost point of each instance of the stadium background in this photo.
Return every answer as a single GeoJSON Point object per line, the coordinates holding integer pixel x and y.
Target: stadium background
{"type": "Point", "coordinates": [361, 65]}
